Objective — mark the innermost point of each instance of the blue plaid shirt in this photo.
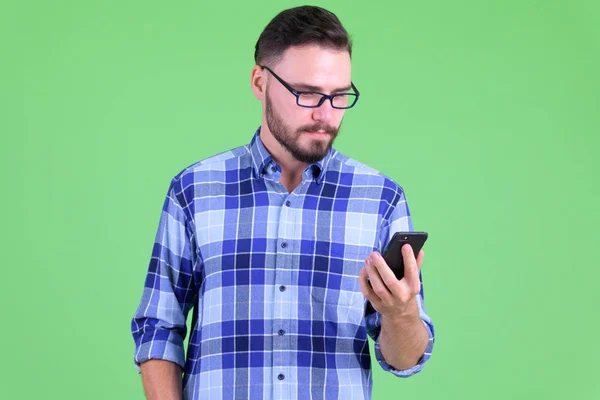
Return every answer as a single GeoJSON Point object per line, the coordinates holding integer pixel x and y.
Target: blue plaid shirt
{"type": "Point", "coordinates": [271, 276]}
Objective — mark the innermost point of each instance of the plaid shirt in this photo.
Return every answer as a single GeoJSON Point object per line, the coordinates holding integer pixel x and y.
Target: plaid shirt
{"type": "Point", "coordinates": [271, 276]}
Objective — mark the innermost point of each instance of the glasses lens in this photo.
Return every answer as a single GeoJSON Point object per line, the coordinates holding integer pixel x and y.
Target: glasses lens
{"type": "Point", "coordinates": [309, 99]}
{"type": "Point", "coordinates": [344, 100]}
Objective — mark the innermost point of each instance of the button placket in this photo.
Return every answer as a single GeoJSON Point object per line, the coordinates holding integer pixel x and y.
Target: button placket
{"type": "Point", "coordinates": [282, 306]}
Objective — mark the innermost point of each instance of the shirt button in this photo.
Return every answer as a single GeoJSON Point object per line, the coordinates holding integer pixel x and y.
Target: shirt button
{"type": "Point", "coordinates": [281, 332]}
{"type": "Point", "coordinates": [283, 245]}
{"type": "Point", "coordinates": [288, 203]}
{"type": "Point", "coordinates": [281, 377]}
{"type": "Point", "coordinates": [282, 288]}
{"type": "Point", "coordinates": [273, 168]}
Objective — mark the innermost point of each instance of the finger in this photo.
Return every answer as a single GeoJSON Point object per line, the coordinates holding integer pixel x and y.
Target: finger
{"type": "Point", "coordinates": [377, 283]}
{"type": "Point", "coordinates": [365, 288]}
{"type": "Point", "coordinates": [385, 272]}
{"type": "Point", "coordinates": [420, 259]}
{"type": "Point", "coordinates": [411, 270]}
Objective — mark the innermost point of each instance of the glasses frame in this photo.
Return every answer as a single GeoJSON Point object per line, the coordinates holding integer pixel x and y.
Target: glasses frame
{"type": "Point", "coordinates": [330, 97]}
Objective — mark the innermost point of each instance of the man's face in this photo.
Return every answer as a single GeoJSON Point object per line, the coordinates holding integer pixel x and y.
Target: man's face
{"type": "Point", "coordinates": [307, 133]}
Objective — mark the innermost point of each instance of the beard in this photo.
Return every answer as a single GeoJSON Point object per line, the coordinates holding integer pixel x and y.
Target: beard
{"type": "Point", "coordinates": [289, 139]}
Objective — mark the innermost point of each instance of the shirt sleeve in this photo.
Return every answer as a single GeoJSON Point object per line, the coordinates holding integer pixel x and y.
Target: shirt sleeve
{"type": "Point", "coordinates": [159, 324]}
{"type": "Point", "coordinates": [400, 221]}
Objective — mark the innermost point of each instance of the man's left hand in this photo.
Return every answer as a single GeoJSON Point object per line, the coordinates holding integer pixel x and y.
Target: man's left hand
{"type": "Point", "coordinates": [391, 297]}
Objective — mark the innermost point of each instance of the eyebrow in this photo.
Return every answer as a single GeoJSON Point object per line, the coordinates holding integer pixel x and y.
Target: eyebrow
{"type": "Point", "coordinates": [309, 88]}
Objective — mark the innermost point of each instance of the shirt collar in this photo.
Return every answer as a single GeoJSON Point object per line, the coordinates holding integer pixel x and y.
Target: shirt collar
{"type": "Point", "coordinates": [261, 159]}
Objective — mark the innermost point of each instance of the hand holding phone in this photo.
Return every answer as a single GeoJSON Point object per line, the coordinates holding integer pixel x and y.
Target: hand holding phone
{"type": "Point", "coordinates": [393, 254]}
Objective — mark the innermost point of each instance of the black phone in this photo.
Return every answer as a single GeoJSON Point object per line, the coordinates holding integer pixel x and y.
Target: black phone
{"type": "Point", "coordinates": [393, 252]}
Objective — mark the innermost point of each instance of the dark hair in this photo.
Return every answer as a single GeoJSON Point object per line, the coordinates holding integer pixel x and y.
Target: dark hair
{"type": "Point", "coordinates": [297, 27]}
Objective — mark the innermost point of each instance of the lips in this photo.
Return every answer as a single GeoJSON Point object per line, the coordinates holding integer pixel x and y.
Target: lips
{"type": "Point", "coordinates": [318, 133]}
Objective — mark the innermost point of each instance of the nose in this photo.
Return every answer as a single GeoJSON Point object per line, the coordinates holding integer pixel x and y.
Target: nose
{"type": "Point", "coordinates": [325, 113]}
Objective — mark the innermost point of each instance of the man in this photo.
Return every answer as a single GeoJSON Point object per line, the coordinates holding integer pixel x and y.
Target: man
{"type": "Point", "coordinates": [275, 246]}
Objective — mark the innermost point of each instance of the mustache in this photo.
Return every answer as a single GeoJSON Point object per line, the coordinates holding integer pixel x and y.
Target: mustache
{"type": "Point", "coordinates": [319, 127]}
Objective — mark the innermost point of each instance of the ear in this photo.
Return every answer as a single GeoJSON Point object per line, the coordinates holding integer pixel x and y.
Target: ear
{"type": "Point", "coordinates": [258, 82]}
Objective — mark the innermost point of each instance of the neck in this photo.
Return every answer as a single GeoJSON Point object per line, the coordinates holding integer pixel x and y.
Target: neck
{"type": "Point", "coordinates": [291, 169]}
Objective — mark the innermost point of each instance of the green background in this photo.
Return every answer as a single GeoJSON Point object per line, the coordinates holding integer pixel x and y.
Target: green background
{"type": "Point", "coordinates": [487, 113]}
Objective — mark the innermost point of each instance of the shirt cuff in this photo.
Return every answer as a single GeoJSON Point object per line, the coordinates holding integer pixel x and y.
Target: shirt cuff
{"type": "Point", "coordinates": [405, 373]}
{"type": "Point", "coordinates": [169, 350]}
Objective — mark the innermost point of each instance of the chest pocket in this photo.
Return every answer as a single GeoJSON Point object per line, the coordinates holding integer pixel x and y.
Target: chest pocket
{"type": "Point", "coordinates": [335, 279]}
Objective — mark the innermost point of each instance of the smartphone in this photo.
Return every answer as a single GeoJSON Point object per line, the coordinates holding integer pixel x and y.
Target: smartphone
{"type": "Point", "coordinates": [393, 252]}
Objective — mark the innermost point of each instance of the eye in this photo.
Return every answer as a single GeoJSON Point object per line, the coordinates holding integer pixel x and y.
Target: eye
{"type": "Point", "coordinates": [309, 99]}
{"type": "Point", "coordinates": [342, 99]}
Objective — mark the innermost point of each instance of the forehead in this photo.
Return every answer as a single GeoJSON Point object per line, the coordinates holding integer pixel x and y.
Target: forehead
{"type": "Point", "coordinates": [316, 65]}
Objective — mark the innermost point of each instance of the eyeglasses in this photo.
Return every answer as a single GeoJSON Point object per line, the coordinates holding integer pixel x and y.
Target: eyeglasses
{"type": "Point", "coordinates": [316, 99]}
